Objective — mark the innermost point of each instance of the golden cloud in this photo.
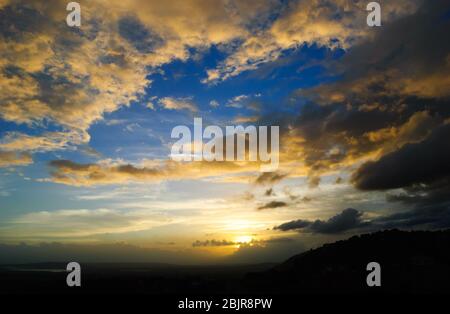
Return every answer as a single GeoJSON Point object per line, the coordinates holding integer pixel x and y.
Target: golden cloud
{"type": "Point", "coordinates": [306, 22]}
{"type": "Point", "coordinates": [8, 159]}
{"type": "Point", "coordinates": [108, 172]}
{"type": "Point", "coordinates": [72, 77]}
{"type": "Point", "coordinates": [171, 103]}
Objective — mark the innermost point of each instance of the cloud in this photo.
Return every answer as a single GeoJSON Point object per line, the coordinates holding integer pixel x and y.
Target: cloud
{"type": "Point", "coordinates": [214, 103]}
{"type": "Point", "coordinates": [270, 250]}
{"type": "Point", "coordinates": [178, 104]}
{"type": "Point", "coordinates": [325, 23]}
{"type": "Point", "coordinates": [273, 204]}
{"type": "Point", "coordinates": [258, 251]}
{"type": "Point", "coordinates": [269, 178]}
{"type": "Point", "coordinates": [348, 219]}
{"type": "Point", "coordinates": [213, 242]}
{"type": "Point", "coordinates": [80, 223]}
{"type": "Point", "coordinates": [424, 217]}
{"type": "Point", "coordinates": [48, 141]}
{"type": "Point", "coordinates": [417, 163]}
{"type": "Point", "coordinates": [313, 182]}
{"type": "Point", "coordinates": [293, 225]}
{"type": "Point", "coordinates": [137, 34]}
{"type": "Point", "coordinates": [371, 111]}
{"type": "Point", "coordinates": [244, 101]}
{"type": "Point", "coordinates": [248, 119]}
{"type": "Point", "coordinates": [427, 216]}
{"type": "Point", "coordinates": [236, 102]}
{"type": "Point", "coordinates": [111, 172]}
{"type": "Point", "coordinates": [418, 175]}
{"type": "Point", "coordinates": [8, 159]}
{"type": "Point", "coordinates": [72, 77]}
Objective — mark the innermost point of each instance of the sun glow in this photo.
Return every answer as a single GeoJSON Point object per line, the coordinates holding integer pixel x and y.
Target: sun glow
{"type": "Point", "coordinates": [243, 239]}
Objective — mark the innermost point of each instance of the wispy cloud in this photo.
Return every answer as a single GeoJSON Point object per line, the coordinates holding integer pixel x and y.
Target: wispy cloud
{"type": "Point", "coordinates": [171, 103]}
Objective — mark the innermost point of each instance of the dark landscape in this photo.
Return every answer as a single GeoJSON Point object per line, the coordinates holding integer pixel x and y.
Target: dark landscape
{"type": "Point", "coordinates": [411, 262]}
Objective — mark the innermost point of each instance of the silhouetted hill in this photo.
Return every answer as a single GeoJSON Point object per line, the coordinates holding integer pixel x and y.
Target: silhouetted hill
{"type": "Point", "coordinates": [416, 261]}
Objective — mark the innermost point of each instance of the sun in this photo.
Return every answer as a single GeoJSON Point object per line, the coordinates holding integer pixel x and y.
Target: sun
{"type": "Point", "coordinates": [243, 239]}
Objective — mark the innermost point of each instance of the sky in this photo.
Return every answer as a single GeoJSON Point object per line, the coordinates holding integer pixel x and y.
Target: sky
{"type": "Point", "coordinates": [87, 113]}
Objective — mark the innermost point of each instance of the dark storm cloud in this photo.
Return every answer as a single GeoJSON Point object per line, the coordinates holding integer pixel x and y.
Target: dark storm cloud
{"type": "Point", "coordinates": [293, 225]}
{"type": "Point", "coordinates": [417, 163]}
{"type": "Point", "coordinates": [346, 220]}
{"type": "Point", "coordinates": [410, 48]}
{"type": "Point", "coordinates": [409, 70]}
{"type": "Point", "coordinates": [429, 217]}
{"type": "Point", "coordinates": [437, 192]}
{"type": "Point", "coordinates": [273, 204]}
{"type": "Point", "coordinates": [416, 44]}
{"type": "Point", "coordinates": [385, 83]}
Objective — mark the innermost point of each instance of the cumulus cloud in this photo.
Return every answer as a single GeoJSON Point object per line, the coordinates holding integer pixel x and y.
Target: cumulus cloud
{"type": "Point", "coordinates": [427, 216]}
{"type": "Point", "coordinates": [419, 177]}
{"type": "Point", "coordinates": [372, 110]}
{"type": "Point", "coordinates": [326, 23]}
{"type": "Point", "coordinates": [348, 219]}
{"type": "Point", "coordinates": [72, 77]}
{"type": "Point", "coordinates": [417, 163]}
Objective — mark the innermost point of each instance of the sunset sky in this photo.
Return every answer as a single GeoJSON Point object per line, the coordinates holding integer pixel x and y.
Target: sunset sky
{"type": "Point", "coordinates": [87, 113]}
